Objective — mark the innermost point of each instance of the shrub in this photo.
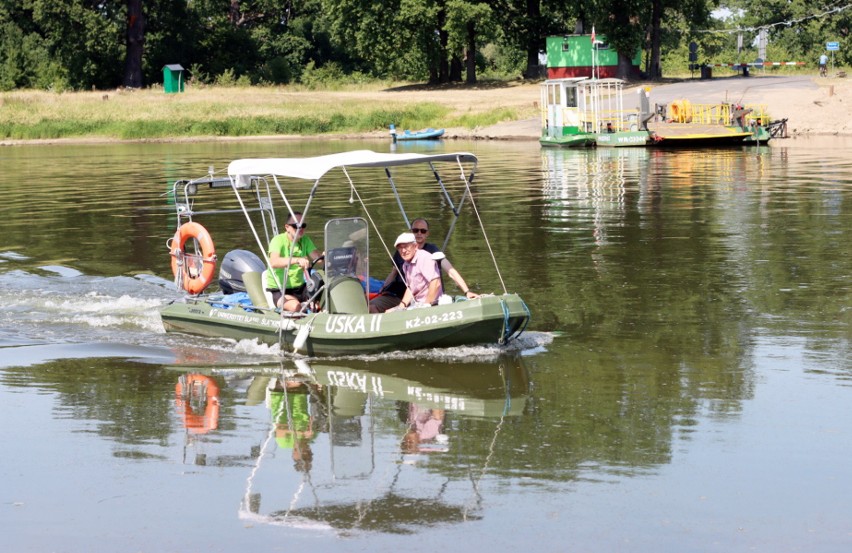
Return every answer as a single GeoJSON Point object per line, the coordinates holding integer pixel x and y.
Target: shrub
{"type": "Point", "coordinates": [226, 78]}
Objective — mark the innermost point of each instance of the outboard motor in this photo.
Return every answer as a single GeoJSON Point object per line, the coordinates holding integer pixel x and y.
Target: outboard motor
{"type": "Point", "coordinates": [341, 261]}
{"type": "Point", "coordinates": [235, 263]}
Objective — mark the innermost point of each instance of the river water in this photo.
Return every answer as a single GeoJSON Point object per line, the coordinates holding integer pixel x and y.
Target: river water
{"type": "Point", "coordinates": [684, 384]}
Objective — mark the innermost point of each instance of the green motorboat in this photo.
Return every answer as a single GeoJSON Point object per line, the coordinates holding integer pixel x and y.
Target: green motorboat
{"type": "Point", "coordinates": [337, 320]}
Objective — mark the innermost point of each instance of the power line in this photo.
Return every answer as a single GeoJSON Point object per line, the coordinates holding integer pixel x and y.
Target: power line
{"type": "Point", "coordinates": [789, 23]}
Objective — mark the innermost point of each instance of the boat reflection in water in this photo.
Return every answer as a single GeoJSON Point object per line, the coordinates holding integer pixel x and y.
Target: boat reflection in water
{"type": "Point", "coordinates": [380, 446]}
{"type": "Point", "coordinates": [388, 447]}
{"type": "Point", "coordinates": [197, 399]}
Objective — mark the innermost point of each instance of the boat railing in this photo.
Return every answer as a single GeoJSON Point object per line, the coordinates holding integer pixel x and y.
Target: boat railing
{"type": "Point", "coordinates": [617, 120]}
{"type": "Point", "coordinates": [683, 111]}
{"type": "Point", "coordinates": [758, 115]}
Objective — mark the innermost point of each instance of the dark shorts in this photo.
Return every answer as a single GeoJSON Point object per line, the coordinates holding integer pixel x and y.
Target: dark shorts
{"type": "Point", "coordinates": [299, 293]}
{"type": "Point", "coordinates": [383, 302]}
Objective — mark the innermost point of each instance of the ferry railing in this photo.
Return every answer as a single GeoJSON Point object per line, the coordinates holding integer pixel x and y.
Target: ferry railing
{"type": "Point", "coordinates": [620, 121]}
{"type": "Point", "coordinates": [683, 111]}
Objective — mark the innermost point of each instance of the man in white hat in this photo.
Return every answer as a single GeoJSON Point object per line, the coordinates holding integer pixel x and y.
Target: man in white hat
{"type": "Point", "coordinates": [393, 287]}
{"type": "Point", "coordinates": [420, 271]}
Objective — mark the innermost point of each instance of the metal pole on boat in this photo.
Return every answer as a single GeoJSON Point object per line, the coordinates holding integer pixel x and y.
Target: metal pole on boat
{"type": "Point", "coordinates": [396, 195]}
{"type": "Point", "coordinates": [468, 180]}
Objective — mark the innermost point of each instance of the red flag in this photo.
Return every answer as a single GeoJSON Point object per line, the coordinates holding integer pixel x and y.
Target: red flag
{"type": "Point", "coordinates": [593, 36]}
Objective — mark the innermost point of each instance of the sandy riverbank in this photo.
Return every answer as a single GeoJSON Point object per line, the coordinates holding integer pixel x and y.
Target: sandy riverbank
{"type": "Point", "coordinates": [812, 106]}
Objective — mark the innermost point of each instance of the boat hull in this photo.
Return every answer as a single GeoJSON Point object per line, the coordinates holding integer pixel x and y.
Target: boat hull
{"type": "Point", "coordinates": [688, 135]}
{"type": "Point", "coordinates": [486, 320]}
{"type": "Point", "coordinates": [427, 134]}
{"type": "Point", "coordinates": [569, 140]}
{"type": "Point", "coordinates": [691, 141]}
{"type": "Point", "coordinates": [729, 136]}
{"type": "Point", "coordinates": [757, 135]}
{"type": "Point", "coordinates": [623, 139]}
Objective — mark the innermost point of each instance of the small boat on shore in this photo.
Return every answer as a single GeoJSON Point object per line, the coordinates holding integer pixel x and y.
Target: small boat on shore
{"type": "Point", "coordinates": [424, 134]}
{"type": "Point", "coordinates": [337, 320]}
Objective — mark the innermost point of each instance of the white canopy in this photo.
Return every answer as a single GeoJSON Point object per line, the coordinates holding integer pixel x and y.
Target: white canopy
{"type": "Point", "coordinates": [313, 168]}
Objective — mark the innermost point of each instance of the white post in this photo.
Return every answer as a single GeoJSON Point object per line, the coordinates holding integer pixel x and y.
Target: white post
{"type": "Point", "coordinates": [594, 60]}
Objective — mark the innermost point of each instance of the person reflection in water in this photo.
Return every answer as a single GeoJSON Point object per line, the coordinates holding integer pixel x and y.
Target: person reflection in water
{"type": "Point", "coordinates": [425, 429]}
{"type": "Point", "coordinates": [290, 403]}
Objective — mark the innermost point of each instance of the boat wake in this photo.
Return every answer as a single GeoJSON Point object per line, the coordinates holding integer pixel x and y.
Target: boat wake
{"type": "Point", "coordinates": [528, 343]}
{"type": "Point", "coordinates": [32, 355]}
{"type": "Point", "coordinates": [49, 308]}
{"type": "Point", "coordinates": [55, 303]}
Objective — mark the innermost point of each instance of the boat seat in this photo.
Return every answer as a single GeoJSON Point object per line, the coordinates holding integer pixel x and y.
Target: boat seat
{"type": "Point", "coordinates": [254, 282]}
{"type": "Point", "coordinates": [346, 295]}
{"type": "Point", "coordinates": [266, 292]}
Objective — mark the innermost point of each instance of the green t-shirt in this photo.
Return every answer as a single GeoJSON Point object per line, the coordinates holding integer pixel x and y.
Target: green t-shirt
{"type": "Point", "coordinates": [298, 419]}
{"type": "Point", "coordinates": [281, 244]}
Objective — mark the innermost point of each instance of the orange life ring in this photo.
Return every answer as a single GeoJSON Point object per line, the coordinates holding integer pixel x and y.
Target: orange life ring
{"type": "Point", "coordinates": [190, 390]}
{"type": "Point", "coordinates": [676, 111]}
{"type": "Point", "coordinates": [193, 283]}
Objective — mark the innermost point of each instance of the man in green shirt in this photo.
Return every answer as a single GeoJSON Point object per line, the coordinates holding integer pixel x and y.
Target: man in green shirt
{"type": "Point", "coordinates": [294, 251]}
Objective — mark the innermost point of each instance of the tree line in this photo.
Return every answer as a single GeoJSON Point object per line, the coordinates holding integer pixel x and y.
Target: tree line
{"type": "Point", "coordinates": [103, 44]}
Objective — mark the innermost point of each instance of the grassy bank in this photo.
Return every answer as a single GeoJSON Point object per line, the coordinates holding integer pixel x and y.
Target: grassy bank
{"type": "Point", "coordinates": [249, 111]}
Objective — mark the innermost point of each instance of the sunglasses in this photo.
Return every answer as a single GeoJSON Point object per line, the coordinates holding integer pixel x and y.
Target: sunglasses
{"type": "Point", "coordinates": [419, 230]}
{"type": "Point", "coordinates": [298, 226]}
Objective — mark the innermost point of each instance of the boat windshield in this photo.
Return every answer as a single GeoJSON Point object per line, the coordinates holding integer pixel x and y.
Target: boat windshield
{"type": "Point", "coordinates": [347, 250]}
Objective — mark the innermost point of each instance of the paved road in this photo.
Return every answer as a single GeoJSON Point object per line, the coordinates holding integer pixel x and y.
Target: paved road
{"type": "Point", "coordinates": [734, 89]}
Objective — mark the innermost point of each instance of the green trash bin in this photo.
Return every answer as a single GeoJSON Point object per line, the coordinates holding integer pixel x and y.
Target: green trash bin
{"type": "Point", "coordinates": [173, 78]}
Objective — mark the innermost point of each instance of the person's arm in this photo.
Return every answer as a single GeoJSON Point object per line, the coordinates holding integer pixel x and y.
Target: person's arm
{"type": "Point", "coordinates": [406, 301]}
{"type": "Point", "coordinates": [457, 278]}
{"type": "Point", "coordinates": [302, 261]}
{"type": "Point", "coordinates": [280, 254]}
{"type": "Point", "coordinates": [432, 291]}
{"type": "Point", "coordinates": [451, 271]}
{"type": "Point", "coordinates": [312, 257]}
{"type": "Point", "coordinates": [278, 261]}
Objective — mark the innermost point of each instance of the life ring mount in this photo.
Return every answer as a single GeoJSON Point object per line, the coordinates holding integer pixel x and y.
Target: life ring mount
{"type": "Point", "coordinates": [193, 272]}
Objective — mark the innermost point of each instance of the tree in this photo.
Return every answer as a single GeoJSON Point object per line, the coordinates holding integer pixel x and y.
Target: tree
{"type": "Point", "coordinates": [695, 12]}
{"type": "Point", "coordinates": [468, 23]}
{"type": "Point", "coordinates": [135, 44]}
{"type": "Point", "coordinates": [654, 67]}
{"type": "Point", "coordinates": [800, 29]}
{"type": "Point", "coordinates": [525, 25]}
{"type": "Point", "coordinates": [25, 57]}
{"type": "Point", "coordinates": [83, 36]}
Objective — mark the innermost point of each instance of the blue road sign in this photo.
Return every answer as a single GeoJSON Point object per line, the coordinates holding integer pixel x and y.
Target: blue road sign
{"type": "Point", "coordinates": [832, 46]}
